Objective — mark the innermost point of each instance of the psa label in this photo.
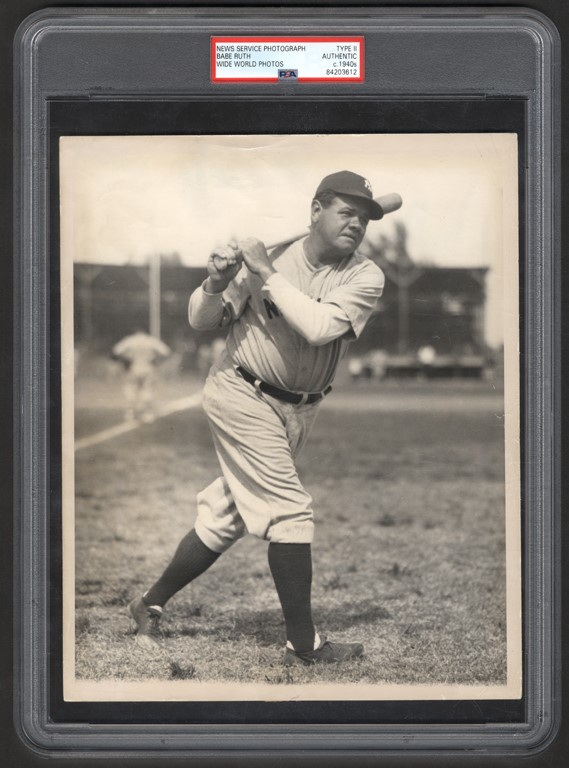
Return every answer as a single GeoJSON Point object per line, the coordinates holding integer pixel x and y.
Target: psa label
{"type": "Point", "coordinates": [288, 74]}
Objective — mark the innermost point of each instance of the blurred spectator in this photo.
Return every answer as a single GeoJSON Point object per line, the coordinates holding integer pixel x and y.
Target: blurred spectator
{"type": "Point", "coordinates": [189, 353]}
{"type": "Point", "coordinates": [377, 363]}
{"type": "Point", "coordinates": [204, 358]}
{"type": "Point", "coordinates": [355, 368]}
{"type": "Point", "coordinates": [217, 350]}
{"type": "Point", "coordinates": [426, 356]}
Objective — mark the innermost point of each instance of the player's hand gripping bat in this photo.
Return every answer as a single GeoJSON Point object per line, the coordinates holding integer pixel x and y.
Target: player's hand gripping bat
{"type": "Point", "coordinates": [388, 203]}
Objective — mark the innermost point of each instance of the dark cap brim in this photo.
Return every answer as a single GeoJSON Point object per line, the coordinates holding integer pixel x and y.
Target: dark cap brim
{"type": "Point", "coordinates": [377, 211]}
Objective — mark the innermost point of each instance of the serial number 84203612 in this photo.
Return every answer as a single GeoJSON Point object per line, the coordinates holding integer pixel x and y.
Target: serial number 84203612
{"type": "Point", "coordinates": [343, 71]}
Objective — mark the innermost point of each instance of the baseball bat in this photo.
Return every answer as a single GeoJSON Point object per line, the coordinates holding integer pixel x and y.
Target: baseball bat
{"type": "Point", "coordinates": [388, 203]}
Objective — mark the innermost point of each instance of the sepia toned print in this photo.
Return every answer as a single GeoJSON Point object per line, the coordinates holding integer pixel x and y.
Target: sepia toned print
{"type": "Point", "coordinates": [412, 463]}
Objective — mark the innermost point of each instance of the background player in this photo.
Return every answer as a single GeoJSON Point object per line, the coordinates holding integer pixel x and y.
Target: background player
{"type": "Point", "coordinates": [291, 317]}
{"type": "Point", "coordinates": [140, 353]}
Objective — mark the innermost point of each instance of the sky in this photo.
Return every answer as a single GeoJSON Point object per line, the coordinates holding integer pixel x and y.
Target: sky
{"type": "Point", "coordinates": [125, 198]}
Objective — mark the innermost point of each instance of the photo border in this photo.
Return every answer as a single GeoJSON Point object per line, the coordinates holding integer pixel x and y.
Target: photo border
{"type": "Point", "coordinates": [132, 122]}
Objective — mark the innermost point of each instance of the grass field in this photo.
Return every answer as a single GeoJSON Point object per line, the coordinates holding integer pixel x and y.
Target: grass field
{"type": "Point", "coordinates": [409, 554]}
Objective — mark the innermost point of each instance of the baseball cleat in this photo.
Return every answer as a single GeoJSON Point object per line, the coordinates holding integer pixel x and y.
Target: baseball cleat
{"type": "Point", "coordinates": [326, 653]}
{"type": "Point", "coordinates": [147, 620]}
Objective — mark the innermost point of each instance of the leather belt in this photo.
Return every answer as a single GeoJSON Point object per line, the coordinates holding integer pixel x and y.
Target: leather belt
{"type": "Point", "coordinates": [296, 398]}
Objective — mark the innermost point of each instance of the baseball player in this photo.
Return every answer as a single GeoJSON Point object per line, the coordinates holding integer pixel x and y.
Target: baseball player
{"type": "Point", "coordinates": [140, 353]}
{"type": "Point", "coordinates": [291, 317]}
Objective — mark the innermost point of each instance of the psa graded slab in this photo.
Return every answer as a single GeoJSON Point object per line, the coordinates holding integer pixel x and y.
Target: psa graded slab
{"type": "Point", "coordinates": [287, 363]}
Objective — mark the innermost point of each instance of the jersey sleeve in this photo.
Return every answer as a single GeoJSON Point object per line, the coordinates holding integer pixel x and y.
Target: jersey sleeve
{"type": "Point", "coordinates": [317, 323]}
{"type": "Point", "coordinates": [207, 311]}
{"type": "Point", "coordinates": [358, 297]}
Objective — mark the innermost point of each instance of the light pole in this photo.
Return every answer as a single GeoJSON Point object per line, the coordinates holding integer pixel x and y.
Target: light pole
{"type": "Point", "coordinates": [154, 295]}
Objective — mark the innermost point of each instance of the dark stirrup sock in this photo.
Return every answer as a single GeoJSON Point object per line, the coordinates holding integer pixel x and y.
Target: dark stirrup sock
{"type": "Point", "coordinates": [291, 567]}
{"type": "Point", "coordinates": [191, 559]}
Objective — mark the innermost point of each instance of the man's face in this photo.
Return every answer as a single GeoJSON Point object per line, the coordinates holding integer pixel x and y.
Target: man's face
{"type": "Point", "coordinates": [341, 226]}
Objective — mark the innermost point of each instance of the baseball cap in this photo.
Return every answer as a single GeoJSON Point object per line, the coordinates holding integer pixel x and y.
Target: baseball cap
{"type": "Point", "coordinates": [349, 183]}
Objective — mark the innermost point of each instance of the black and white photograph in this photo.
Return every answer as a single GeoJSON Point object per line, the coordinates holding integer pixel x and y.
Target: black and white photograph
{"type": "Point", "coordinates": [290, 417]}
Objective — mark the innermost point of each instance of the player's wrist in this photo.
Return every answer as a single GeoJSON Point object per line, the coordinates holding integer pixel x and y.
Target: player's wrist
{"type": "Point", "coordinates": [265, 272]}
{"type": "Point", "coordinates": [214, 286]}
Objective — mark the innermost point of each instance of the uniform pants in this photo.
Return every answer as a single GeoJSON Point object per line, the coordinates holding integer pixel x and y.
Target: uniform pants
{"type": "Point", "coordinates": [138, 386]}
{"type": "Point", "coordinates": [256, 439]}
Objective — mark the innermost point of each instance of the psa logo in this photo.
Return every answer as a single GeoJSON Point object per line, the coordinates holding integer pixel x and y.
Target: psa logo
{"type": "Point", "coordinates": [288, 74]}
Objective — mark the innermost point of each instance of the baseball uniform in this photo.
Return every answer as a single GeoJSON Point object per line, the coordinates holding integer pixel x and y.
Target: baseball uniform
{"type": "Point", "coordinates": [285, 340]}
{"type": "Point", "coordinates": [290, 318]}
